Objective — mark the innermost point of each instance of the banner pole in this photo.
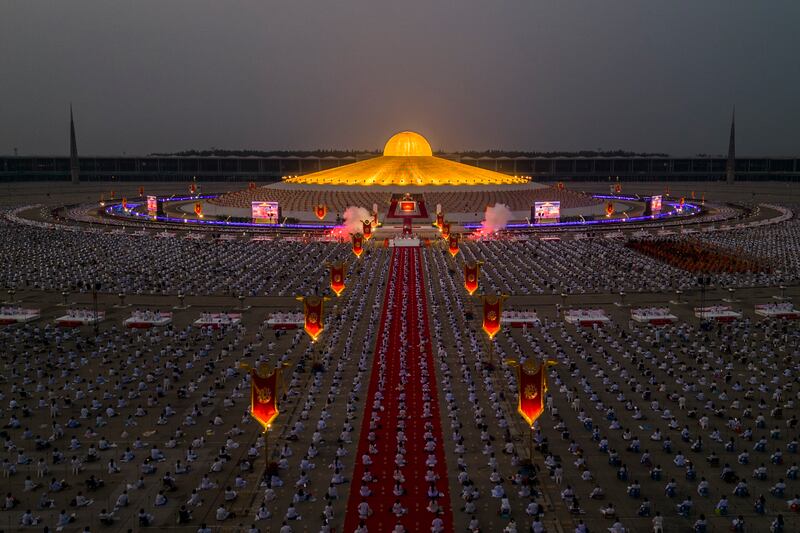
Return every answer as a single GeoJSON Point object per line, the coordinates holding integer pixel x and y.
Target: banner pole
{"type": "Point", "coordinates": [266, 453]}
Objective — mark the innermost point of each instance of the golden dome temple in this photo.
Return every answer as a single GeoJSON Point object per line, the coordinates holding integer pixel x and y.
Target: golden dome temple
{"type": "Point", "coordinates": [407, 160]}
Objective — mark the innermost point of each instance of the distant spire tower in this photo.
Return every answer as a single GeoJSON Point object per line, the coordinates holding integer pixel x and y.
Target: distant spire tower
{"type": "Point", "coordinates": [74, 166]}
{"type": "Point", "coordinates": [730, 168]}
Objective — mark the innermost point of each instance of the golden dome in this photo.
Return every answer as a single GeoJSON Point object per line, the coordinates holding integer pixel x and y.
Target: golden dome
{"type": "Point", "coordinates": [407, 143]}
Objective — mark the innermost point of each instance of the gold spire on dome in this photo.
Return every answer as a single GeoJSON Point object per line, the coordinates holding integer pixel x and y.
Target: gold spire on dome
{"type": "Point", "coordinates": [407, 143]}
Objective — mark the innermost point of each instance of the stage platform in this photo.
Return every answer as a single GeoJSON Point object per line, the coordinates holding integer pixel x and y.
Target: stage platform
{"type": "Point", "coordinates": [17, 315]}
{"type": "Point", "coordinates": [586, 317]}
{"type": "Point", "coordinates": [148, 319]}
{"type": "Point", "coordinates": [80, 317]}
{"type": "Point", "coordinates": [720, 313]}
{"type": "Point", "coordinates": [218, 320]}
{"type": "Point", "coordinates": [785, 310]}
{"type": "Point", "coordinates": [656, 316]}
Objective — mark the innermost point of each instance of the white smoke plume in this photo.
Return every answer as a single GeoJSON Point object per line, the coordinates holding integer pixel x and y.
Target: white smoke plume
{"type": "Point", "coordinates": [354, 218]}
{"type": "Point", "coordinates": [496, 218]}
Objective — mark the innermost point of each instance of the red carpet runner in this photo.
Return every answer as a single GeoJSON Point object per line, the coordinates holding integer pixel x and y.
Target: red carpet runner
{"type": "Point", "coordinates": [402, 375]}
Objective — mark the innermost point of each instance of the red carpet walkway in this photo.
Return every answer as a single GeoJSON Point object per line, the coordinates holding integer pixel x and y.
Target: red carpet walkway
{"type": "Point", "coordinates": [402, 415]}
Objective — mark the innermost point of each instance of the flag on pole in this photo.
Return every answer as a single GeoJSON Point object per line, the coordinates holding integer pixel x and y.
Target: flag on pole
{"type": "Point", "coordinates": [367, 225]}
{"type": "Point", "coordinates": [492, 312]}
{"type": "Point", "coordinates": [609, 208]}
{"type": "Point", "coordinates": [198, 209]}
{"type": "Point", "coordinates": [320, 210]}
{"type": "Point", "coordinates": [532, 380]}
{"type": "Point", "coordinates": [313, 308]}
{"type": "Point", "coordinates": [472, 272]}
{"type": "Point", "coordinates": [358, 244]}
{"type": "Point", "coordinates": [264, 397]}
{"type": "Point", "coordinates": [452, 244]}
{"type": "Point", "coordinates": [445, 229]}
{"type": "Point", "coordinates": [337, 277]}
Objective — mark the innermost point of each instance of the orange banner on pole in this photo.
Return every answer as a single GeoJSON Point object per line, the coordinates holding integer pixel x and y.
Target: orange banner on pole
{"type": "Point", "coordinates": [367, 224]}
{"type": "Point", "coordinates": [683, 201]}
{"type": "Point", "coordinates": [358, 244]}
{"type": "Point", "coordinates": [472, 272]}
{"type": "Point", "coordinates": [452, 244]}
{"type": "Point", "coordinates": [439, 220]}
{"type": "Point", "coordinates": [313, 311]}
{"type": "Point", "coordinates": [532, 379]}
{"type": "Point", "coordinates": [198, 209]}
{"type": "Point", "coordinates": [609, 208]}
{"type": "Point", "coordinates": [264, 397]}
{"type": "Point", "coordinates": [338, 271]}
{"type": "Point", "coordinates": [320, 210]}
{"type": "Point", "coordinates": [192, 188]}
{"type": "Point", "coordinates": [618, 188]}
{"type": "Point", "coordinates": [492, 311]}
{"type": "Point", "coordinates": [445, 229]}
{"type": "Point", "coordinates": [141, 191]}
{"type": "Point", "coordinates": [125, 204]}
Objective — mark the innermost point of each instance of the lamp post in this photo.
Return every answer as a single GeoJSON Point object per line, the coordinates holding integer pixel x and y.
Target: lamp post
{"type": "Point", "coordinates": [11, 293]}
{"type": "Point", "coordinates": [95, 288]}
{"type": "Point", "coordinates": [65, 295]}
{"type": "Point", "coordinates": [621, 302]}
{"type": "Point", "coordinates": [703, 281]}
{"type": "Point", "coordinates": [678, 297]}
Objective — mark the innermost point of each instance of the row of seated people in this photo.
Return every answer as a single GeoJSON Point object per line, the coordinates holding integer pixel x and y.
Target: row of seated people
{"type": "Point", "coordinates": [451, 201]}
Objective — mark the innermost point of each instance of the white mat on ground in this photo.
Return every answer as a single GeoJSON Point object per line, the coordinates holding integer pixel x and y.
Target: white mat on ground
{"type": "Point", "coordinates": [288, 320]}
{"type": "Point", "coordinates": [586, 317]}
{"type": "Point", "coordinates": [148, 319]}
{"type": "Point", "coordinates": [653, 315]}
{"type": "Point", "coordinates": [782, 310]}
{"type": "Point", "coordinates": [17, 315]}
{"type": "Point", "coordinates": [216, 320]}
{"type": "Point", "coordinates": [80, 317]}
{"type": "Point", "coordinates": [720, 313]}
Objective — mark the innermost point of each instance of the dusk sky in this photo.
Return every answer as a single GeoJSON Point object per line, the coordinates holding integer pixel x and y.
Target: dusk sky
{"type": "Point", "coordinates": [157, 76]}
